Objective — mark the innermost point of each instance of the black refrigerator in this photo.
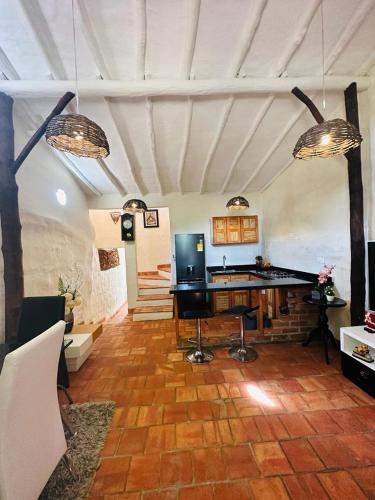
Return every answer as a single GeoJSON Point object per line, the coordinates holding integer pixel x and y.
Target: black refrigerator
{"type": "Point", "coordinates": [190, 268]}
{"type": "Point", "coordinates": [190, 258]}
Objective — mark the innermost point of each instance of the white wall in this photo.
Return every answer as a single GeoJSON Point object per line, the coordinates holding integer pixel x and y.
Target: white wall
{"type": "Point", "coordinates": [153, 244]}
{"type": "Point", "coordinates": [189, 213]}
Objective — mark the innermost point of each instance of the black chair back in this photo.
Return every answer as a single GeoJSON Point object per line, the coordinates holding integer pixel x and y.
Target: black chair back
{"type": "Point", "coordinates": [37, 315]}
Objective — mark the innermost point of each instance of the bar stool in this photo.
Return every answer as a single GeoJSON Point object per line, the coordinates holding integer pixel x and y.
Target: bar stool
{"type": "Point", "coordinates": [198, 354]}
{"type": "Point", "coordinates": [242, 352]}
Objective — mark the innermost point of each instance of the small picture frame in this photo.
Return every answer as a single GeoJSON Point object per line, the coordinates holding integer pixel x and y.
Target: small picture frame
{"type": "Point", "coordinates": [151, 218]}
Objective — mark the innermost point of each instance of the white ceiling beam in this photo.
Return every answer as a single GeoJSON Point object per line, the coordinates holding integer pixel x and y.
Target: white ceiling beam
{"type": "Point", "coordinates": [141, 30]}
{"type": "Point", "coordinates": [72, 167]}
{"type": "Point", "coordinates": [303, 28]}
{"type": "Point", "coordinates": [281, 171]}
{"type": "Point", "coordinates": [346, 35]}
{"type": "Point", "coordinates": [111, 177]}
{"type": "Point", "coordinates": [92, 41]}
{"type": "Point", "coordinates": [7, 68]}
{"type": "Point", "coordinates": [155, 88]}
{"type": "Point", "coordinates": [254, 127]}
{"type": "Point", "coordinates": [135, 178]}
{"type": "Point", "coordinates": [247, 37]}
{"type": "Point", "coordinates": [362, 11]}
{"type": "Point", "coordinates": [276, 144]}
{"type": "Point", "coordinates": [43, 37]}
{"type": "Point", "coordinates": [194, 7]}
{"type": "Point", "coordinates": [219, 132]}
{"type": "Point", "coordinates": [151, 131]}
{"type": "Point", "coordinates": [185, 143]}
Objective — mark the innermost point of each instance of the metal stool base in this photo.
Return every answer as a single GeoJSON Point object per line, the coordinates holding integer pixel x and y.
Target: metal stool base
{"type": "Point", "coordinates": [243, 354]}
{"type": "Point", "coordinates": [199, 356]}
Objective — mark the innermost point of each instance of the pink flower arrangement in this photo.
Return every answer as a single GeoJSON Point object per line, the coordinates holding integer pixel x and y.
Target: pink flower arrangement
{"type": "Point", "coordinates": [325, 274]}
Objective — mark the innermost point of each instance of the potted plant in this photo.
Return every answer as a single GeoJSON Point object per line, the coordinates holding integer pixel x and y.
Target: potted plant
{"type": "Point", "coordinates": [69, 288]}
{"type": "Point", "coordinates": [325, 284]}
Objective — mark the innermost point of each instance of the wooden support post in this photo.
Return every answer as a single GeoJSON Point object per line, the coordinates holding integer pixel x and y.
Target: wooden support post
{"type": "Point", "coordinates": [9, 209]}
{"type": "Point", "coordinates": [10, 219]}
{"type": "Point", "coordinates": [357, 238]}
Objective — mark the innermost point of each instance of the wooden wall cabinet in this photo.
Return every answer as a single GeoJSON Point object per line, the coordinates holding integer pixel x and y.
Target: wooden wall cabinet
{"type": "Point", "coordinates": [235, 230]}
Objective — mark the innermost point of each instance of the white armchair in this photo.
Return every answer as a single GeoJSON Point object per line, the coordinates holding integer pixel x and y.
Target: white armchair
{"type": "Point", "coordinates": [32, 439]}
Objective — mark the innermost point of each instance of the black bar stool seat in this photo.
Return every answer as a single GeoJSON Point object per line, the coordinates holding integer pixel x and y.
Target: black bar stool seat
{"type": "Point", "coordinates": [198, 354]}
{"type": "Point", "coordinates": [242, 352]}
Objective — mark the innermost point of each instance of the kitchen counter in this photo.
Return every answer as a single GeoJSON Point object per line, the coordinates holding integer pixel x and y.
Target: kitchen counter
{"type": "Point", "coordinates": [253, 270]}
{"type": "Point", "coordinates": [260, 284]}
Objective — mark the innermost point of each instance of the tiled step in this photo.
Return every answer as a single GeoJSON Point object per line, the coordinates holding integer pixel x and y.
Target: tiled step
{"type": "Point", "coordinates": [164, 267]}
{"type": "Point", "coordinates": [159, 281]}
{"type": "Point", "coordinates": [149, 313]}
{"type": "Point", "coordinates": [165, 274]}
{"type": "Point", "coordinates": [154, 289]}
{"type": "Point", "coordinates": [159, 299]}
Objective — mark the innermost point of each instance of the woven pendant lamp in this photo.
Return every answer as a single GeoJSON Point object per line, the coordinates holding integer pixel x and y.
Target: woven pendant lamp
{"type": "Point", "coordinates": [133, 206]}
{"type": "Point", "coordinates": [75, 133]}
{"type": "Point", "coordinates": [238, 203]}
{"type": "Point", "coordinates": [329, 137]}
{"type": "Point", "coordinates": [78, 135]}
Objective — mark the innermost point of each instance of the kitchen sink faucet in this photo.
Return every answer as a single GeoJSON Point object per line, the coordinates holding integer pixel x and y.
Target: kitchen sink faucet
{"type": "Point", "coordinates": [224, 260]}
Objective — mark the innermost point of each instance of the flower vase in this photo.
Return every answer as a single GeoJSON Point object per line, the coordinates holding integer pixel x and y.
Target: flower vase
{"type": "Point", "coordinates": [69, 320]}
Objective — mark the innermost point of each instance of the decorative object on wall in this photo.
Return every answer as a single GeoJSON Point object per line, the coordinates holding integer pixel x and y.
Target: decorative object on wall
{"type": "Point", "coordinates": [238, 203]}
{"type": "Point", "coordinates": [151, 218]}
{"type": "Point", "coordinates": [133, 206]}
{"type": "Point", "coordinates": [329, 137]}
{"type": "Point", "coordinates": [75, 133]}
{"type": "Point", "coordinates": [69, 288]}
{"type": "Point", "coordinates": [115, 216]}
{"type": "Point", "coordinates": [127, 227]}
{"type": "Point", "coordinates": [108, 259]}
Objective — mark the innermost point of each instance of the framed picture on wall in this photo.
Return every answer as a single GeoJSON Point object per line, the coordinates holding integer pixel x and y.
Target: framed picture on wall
{"type": "Point", "coordinates": [151, 218]}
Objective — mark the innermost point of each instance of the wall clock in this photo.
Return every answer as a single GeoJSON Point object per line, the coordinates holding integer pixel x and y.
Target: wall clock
{"type": "Point", "coordinates": [127, 227]}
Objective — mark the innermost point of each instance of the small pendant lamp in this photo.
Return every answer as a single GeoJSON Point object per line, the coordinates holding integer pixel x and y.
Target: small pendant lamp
{"type": "Point", "coordinates": [329, 137]}
{"type": "Point", "coordinates": [74, 133]}
{"type": "Point", "coordinates": [133, 206]}
{"type": "Point", "coordinates": [238, 203]}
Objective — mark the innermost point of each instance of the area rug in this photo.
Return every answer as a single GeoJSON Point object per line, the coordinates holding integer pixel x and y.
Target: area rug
{"type": "Point", "coordinates": [91, 421]}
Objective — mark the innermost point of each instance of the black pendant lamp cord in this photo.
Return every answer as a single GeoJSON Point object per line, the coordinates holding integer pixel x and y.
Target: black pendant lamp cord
{"type": "Point", "coordinates": [75, 56]}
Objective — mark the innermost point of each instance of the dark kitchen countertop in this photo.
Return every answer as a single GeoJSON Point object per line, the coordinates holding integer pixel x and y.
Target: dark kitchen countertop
{"type": "Point", "coordinates": [252, 269]}
{"type": "Point", "coordinates": [240, 285]}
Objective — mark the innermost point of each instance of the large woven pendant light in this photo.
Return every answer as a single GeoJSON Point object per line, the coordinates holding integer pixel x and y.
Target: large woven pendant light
{"type": "Point", "coordinates": [329, 137]}
{"type": "Point", "coordinates": [133, 206]}
{"type": "Point", "coordinates": [75, 133]}
{"type": "Point", "coordinates": [238, 203]}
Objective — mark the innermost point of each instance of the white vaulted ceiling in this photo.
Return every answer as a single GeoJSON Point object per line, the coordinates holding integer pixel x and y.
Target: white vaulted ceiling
{"type": "Point", "coordinates": [194, 95]}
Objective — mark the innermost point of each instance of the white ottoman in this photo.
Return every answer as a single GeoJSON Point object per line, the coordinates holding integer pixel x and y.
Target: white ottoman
{"type": "Point", "coordinates": [78, 351]}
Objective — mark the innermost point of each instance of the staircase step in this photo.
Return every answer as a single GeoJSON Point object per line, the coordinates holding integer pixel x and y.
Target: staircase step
{"type": "Point", "coordinates": [154, 289]}
{"type": "Point", "coordinates": [152, 277]}
{"type": "Point", "coordinates": [155, 296]}
{"type": "Point", "coordinates": [159, 299]}
{"type": "Point", "coordinates": [148, 313]}
{"type": "Point", "coordinates": [160, 282]}
{"type": "Point", "coordinates": [164, 267]}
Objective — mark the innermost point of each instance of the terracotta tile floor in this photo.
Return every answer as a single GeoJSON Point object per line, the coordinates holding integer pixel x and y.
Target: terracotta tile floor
{"type": "Point", "coordinates": [285, 426]}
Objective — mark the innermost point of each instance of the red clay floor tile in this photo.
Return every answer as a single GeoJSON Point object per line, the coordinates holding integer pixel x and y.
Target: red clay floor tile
{"type": "Point", "coordinates": [176, 468]}
{"type": "Point", "coordinates": [340, 485]}
{"type": "Point", "coordinates": [271, 459]}
{"type": "Point", "coordinates": [208, 465]}
{"type": "Point", "coordinates": [301, 455]}
{"type": "Point", "coordinates": [240, 462]}
{"type": "Point", "coordinates": [268, 489]}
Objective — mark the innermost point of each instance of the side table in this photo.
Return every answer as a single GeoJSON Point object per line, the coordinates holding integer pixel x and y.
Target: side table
{"type": "Point", "coordinates": [322, 330]}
